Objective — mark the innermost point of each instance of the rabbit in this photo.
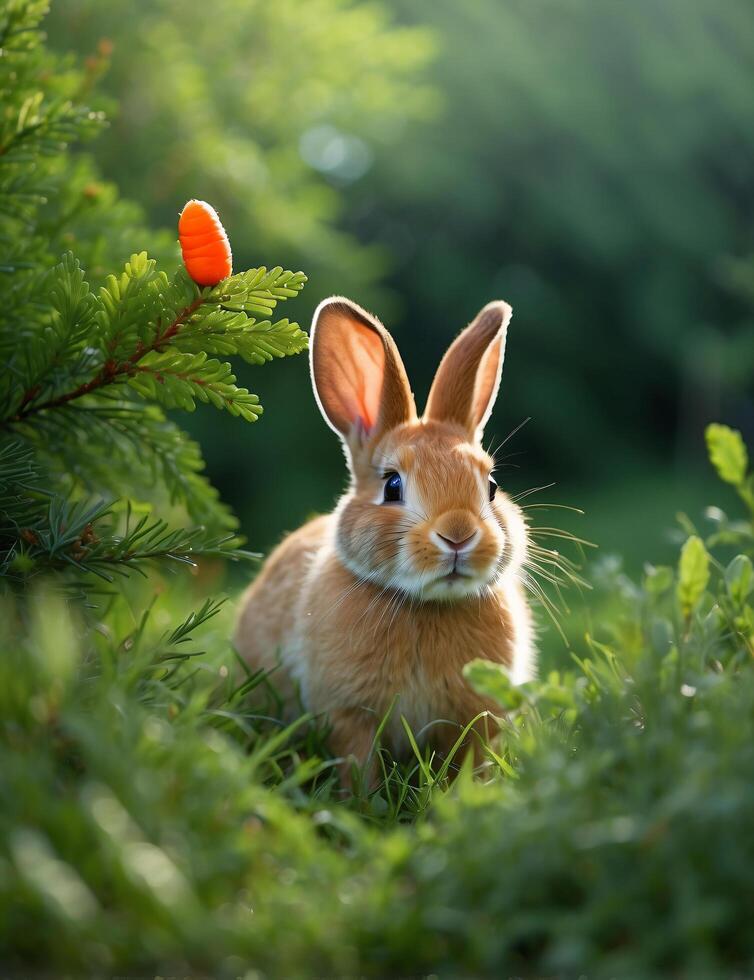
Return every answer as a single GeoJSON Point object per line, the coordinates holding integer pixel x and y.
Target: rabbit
{"type": "Point", "coordinates": [419, 569]}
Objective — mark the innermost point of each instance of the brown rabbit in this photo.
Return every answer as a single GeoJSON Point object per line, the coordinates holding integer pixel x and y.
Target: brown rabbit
{"type": "Point", "coordinates": [419, 568]}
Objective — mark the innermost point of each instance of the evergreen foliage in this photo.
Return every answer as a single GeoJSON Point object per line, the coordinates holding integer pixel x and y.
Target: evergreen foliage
{"type": "Point", "coordinates": [89, 373]}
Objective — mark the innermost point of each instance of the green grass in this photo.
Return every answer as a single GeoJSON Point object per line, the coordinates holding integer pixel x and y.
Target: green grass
{"type": "Point", "coordinates": [157, 817]}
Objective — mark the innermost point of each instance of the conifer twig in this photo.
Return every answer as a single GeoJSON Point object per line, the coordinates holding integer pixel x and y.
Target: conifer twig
{"type": "Point", "coordinates": [109, 371]}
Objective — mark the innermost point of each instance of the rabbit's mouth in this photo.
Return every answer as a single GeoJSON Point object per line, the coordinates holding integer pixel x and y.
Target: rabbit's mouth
{"type": "Point", "coordinates": [455, 583]}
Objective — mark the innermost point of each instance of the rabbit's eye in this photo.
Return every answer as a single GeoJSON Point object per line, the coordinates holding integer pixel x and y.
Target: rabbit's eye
{"type": "Point", "coordinates": [493, 489]}
{"type": "Point", "coordinates": [393, 488]}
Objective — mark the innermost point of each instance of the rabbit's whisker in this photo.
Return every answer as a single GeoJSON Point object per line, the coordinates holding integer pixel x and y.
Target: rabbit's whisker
{"type": "Point", "coordinates": [375, 599]}
{"type": "Point", "coordinates": [526, 493]}
{"type": "Point", "coordinates": [358, 583]}
{"type": "Point", "coordinates": [544, 505]}
{"type": "Point", "coordinates": [532, 586]}
{"type": "Point", "coordinates": [563, 564]}
{"type": "Point", "coordinates": [403, 594]}
{"type": "Point", "coordinates": [510, 435]}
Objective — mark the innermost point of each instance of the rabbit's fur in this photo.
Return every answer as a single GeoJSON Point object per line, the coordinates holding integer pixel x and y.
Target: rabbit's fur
{"type": "Point", "coordinates": [362, 605]}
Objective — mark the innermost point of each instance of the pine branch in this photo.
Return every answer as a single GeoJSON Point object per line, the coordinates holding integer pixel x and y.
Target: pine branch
{"type": "Point", "coordinates": [256, 341]}
{"type": "Point", "coordinates": [22, 494]}
{"type": "Point", "coordinates": [147, 453]}
{"type": "Point", "coordinates": [258, 290]}
{"type": "Point", "coordinates": [111, 371]}
{"type": "Point", "coordinates": [175, 380]}
{"type": "Point", "coordinates": [182, 632]}
{"type": "Point", "coordinates": [154, 335]}
{"type": "Point", "coordinates": [88, 373]}
{"type": "Point", "coordinates": [76, 537]}
{"type": "Point", "coordinates": [39, 119]}
{"type": "Point", "coordinates": [153, 539]}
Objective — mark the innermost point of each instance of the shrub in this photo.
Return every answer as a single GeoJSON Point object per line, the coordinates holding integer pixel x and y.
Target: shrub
{"type": "Point", "coordinates": [88, 374]}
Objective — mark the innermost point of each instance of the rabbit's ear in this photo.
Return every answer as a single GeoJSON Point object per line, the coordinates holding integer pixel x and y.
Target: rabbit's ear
{"type": "Point", "coordinates": [357, 373]}
{"type": "Point", "coordinates": [467, 380]}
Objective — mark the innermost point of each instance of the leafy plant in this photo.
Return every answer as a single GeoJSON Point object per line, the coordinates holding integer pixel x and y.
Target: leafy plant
{"type": "Point", "coordinates": [89, 373]}
{"type": "Point", "coordinates": [728, 455]}
{"type": "Point", "coordinates": [148, 805]}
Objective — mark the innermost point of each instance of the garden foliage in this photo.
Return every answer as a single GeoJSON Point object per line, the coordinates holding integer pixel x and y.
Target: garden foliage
{"type": "Point", "coordinates": [152, 819]}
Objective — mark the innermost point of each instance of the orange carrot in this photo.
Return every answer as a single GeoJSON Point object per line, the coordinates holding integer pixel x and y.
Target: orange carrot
{"type": "Point", "coordinates": [204, 244]}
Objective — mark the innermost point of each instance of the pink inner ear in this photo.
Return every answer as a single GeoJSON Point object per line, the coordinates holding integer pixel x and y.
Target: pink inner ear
{"type": "Point", "coordinates": [369, 363]}
{"type": "Point", "coordinates": [358, 375]}
{"type": "Point", "coordinates": [357, 415]}
{"type": "Point", "coordinates": [349, 368]}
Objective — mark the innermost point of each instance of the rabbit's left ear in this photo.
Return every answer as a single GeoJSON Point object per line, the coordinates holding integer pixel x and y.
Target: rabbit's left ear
{"type": "Point", "coordinates": [358, 375]}
{"type": "Point", "coordinates": [467, 380]}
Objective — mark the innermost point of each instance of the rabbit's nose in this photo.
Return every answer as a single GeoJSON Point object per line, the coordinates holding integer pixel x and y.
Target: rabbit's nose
{"type": "Point", "coordinates": [459, 545]}
{"type": "Point", "coordinates": [454, 541]}
{"type": "Point", "coordinates": [455, 531]}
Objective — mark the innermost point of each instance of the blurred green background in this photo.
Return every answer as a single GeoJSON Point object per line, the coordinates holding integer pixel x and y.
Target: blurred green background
{"type": "Point", "coordinates": [590, 162]}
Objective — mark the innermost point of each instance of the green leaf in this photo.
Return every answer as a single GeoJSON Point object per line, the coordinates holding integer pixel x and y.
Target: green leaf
{"type": "Point", "coordinates": [493, 681]}
{"type": "Point", "coordinates": [176, 380]}
{"type": "Point", "coordinates": [727, 453]}
{"type": "Point", "coordinates": [220, 331]}
{"type": "Point", "coordinates": [661, 635]}
{"type": "Point", "coordinates": [658, 579]}
{"type": "Point", "coordinates": [693, 574]}
{"type": "Point", "coordinates": [738, 578]}
{"type": "Point", "coordinates": [266, 340]}
{"type": "Point", "coordinates": [258, 291]}
{"type": "Point", "coordinates": [72, 304]}
{"type": "Point", "coordinates": [127, 304]}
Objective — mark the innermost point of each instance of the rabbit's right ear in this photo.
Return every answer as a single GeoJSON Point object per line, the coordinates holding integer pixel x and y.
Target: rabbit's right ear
{"type": "Point", "coordinates": [467, 380]}
{"type": "Point", "coordinates": [357, 373]}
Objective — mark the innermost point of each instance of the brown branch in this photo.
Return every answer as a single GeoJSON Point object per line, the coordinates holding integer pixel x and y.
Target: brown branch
{"type": "Point", "coordinates": [109, 372]}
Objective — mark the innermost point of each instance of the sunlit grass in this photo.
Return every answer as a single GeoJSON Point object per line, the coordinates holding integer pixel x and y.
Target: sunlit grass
{"type": "Point", "coordinates": [160, 815]}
